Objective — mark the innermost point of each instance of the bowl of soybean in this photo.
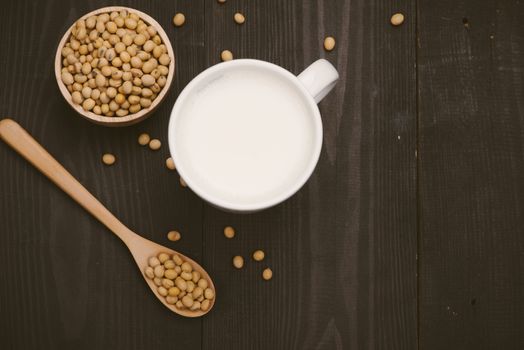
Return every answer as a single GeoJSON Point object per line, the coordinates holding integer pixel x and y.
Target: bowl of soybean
{"type": "Point", "coordinates": [114, 66]}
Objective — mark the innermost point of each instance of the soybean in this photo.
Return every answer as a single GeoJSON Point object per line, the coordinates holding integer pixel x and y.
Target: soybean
{"type": "Point", "coordinates": [195, 306]}
{"type": "Point", "coordinates": [148, 80]}
{"type": "Point", "coordinates": [329, 43]}
{"type": "Point", "coordinates": [149, 272]}
{"type": "Point", "coordinates": [197, 292]}
{"type": "Point", "coordinates": [202, 283]}
{"type": "Point", "coordinates": [174, 291]}
{"type": "Point", "coordinates": [239, 18]}
{"type": "Point", "coordinates": [143, 139]}
{"type": "Point", "coordinates": [229, 232]}
{"type": "Point", "coordinates": [173, 236]}
{"type": "Point", "coordinates": [171, 274]}
{"type": "Point", "coordinates": [209, 293]}
{"type": "Point", "coordinates": [162, 291]}
{"type": "Point", "coordinates": [204, 306]}
{"type": "Point", "coordinates": [181, 283]}
{"type": "Point", "coordinates": [108, 159]}
{"type": "Point", "coordinates": [170, 164]}
{"type": "Point", "coordinates": [67, 78]}
{"type": "Point", "coordinates": [159, 271]}
{"type": "Point", "coordinates": [267, 274]}
{"type": "Point", "coordinates": [153, 261]}
{"type": "Point", "coordinates": [397, 19]}
{"type": "Point", "coordinates": [170, 264]}
{"type": "Point", "coordinates": [155, 144]}
{"type": "Point", "coordinates": [178, 260]}
{"type": "Point", "coordinates": [258, 255]}
{"type": "Point", "coordinates": [195, 276]}
{"type": "Point", "coordinates": [179, 19]}
{"type": "Point", "coordinates": [88, 104]}
{"type": "Point", "coordinates": [77, 97]}
{"type": "Point", "coordinates": [226, 55]}
{"type": "Point", "coordinates": [238, 262]}
{"type": "Point", "coordinates": [167, 283]}
{"type": "Point", "coordinates": [187, 301]}
{"type": "Point", "coordinates": [163, 257]}
{"type": "Point", "coordinates": [186, 267]}
{"type": "Point", "coordinates": [186, 275]}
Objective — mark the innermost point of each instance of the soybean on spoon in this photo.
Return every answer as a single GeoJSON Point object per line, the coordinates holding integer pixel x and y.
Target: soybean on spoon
{"type": "Point", "coordinates": [141, 249]}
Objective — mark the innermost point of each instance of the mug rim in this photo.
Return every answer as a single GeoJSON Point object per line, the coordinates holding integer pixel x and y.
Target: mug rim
{"type": "Point", "coordinates": [282, 195]}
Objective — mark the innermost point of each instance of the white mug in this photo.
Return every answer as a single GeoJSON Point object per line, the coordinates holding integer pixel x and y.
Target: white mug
{"type": "Point", "coordinates": [311, 86]}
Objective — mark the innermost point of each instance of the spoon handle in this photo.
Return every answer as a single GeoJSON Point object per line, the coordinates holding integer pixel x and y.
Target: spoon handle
{"type": "Point", "coordinates": [16, 137]}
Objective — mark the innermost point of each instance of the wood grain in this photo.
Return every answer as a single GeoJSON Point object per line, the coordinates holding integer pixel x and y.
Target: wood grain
{"type": "Point", "coordinates": [71, 284]}
{"type": "Point", "coordinates": [343, 249]}
{"type": "Point", "coordinates": [471, 122]}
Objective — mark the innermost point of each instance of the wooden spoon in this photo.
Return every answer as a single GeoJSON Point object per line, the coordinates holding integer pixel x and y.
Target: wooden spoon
{"type": "Point", "coordinates": [141, 249]}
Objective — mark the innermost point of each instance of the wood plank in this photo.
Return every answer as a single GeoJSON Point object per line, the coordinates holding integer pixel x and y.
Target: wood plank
{"type": "Point", "coordinates": [67, 283]}
{"type": "Point", "coordinates": [343, 250]}
{"type": "Point", "coordinates": [471, 121]}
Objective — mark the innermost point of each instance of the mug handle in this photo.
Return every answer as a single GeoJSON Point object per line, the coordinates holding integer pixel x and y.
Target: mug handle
{"type": "Point", "coordinates": [319, 78]}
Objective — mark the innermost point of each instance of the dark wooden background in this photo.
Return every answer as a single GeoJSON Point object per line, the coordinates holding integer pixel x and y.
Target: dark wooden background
{"type": "Point", "coordinates": [410, 233]}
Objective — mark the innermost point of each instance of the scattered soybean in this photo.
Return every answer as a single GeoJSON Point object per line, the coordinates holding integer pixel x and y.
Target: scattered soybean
{"type": "Point", "coordinates": [108, 159]}
{"type": "Point", "coordinates": [267, 274]}
{"type": "Point", "coordinates": [229, 232]}
{"type": "Point", "coordinates": [155, 144]}
{"type": "Point", "coordinates": [179, 19]}
{"type": "Point", "coordinates": [170, 164]}
{"type": "Point", "coordinates": [258, 255]}
{"type": "Point", "coordinates": [238, 262]}
{"type": "Point", "coordinates": [239, 18]}
{"type": "Point", "coordinates": [173, 236]}
{"type": "Point", "coordinates": [397, 19]}
{"type": "Point", "coordinates": [226, 55]}
{"type": "Point", "coordinates": [329, 43]}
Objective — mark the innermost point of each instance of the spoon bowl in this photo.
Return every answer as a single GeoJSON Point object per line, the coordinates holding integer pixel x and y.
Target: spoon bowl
{"type": "Point", "coordinates": [141, 249]}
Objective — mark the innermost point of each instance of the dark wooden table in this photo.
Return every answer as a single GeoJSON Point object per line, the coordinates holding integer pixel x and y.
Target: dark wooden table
{"type": "Point", "coordinates": [410, 233]}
